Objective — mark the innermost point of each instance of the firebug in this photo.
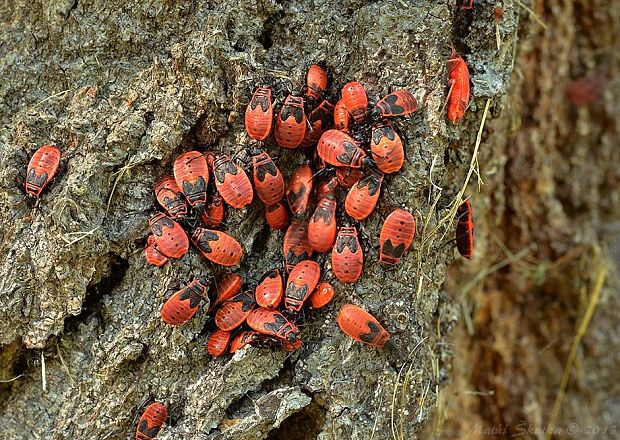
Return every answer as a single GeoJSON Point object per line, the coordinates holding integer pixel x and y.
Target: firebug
{"type": "Point", "coordinates": [301, 283]}
{"type": "Point", "coordinates": [361, 326]}
{"type": "Point", "coordinates": [347, 255]}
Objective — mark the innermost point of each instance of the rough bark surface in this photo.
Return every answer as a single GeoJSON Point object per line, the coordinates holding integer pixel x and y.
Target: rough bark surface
{"type": "Point", "coordinates": [123, 87]}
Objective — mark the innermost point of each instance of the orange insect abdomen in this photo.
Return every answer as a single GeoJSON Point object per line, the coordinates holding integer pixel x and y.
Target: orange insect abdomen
{"type": "Point", "coordinates": [170, 238]}
{"type": "Point", "coordinates": [327, 187]}
{"type": "Point", "coordinates": [233, 312]}
{"type": "Point", "coordinates": [291, 123]}
{"type": "Point", "coordinates": [398, 103]}
{"type": "Point", "coordinates": [184, 303]}
{"type": "Point", "coordinates": [242, 339]}
{"type": "Point", "coordinates": [268, 180]}
{"type": "Point", "coordinates": [347, 256]}
{"type": "Point", "coordinates": [296, 245]}
{"type": "Point", "coordinates": [152, 255]}
{"type": "Point", "coordinates": [459, 96]}
{"type": "Point", "coordinates": [347, 177]}
{"type": "Point", "coordinates": [387, 148]}
{"type": "Point", "coordinates": [339, 149]}
{"type": "Point", "coordinates": [465, 230]}
{"type": "Point", "coordinates": [299, 189]}
{"type": "Point", "coordinates": [322, 295]}
{"type": "Point", "coordinates": [273, 323]}
{"type": "Point", "coordinates": [301, 283]}
{"type": "Point", "coordinates": [396, 236]}
{"type": "Point", "coordinates": [322, 225]}
{"type": "Point", "coordinates": [227, 287]}
{"type": "Point", "coordinates": [355, 100]}
{"type": "Point", "coordinates": [316, 81]}
{"type": "Point", "coordinates": [319, 119]}
{"type": "Point", "coordinates": [363, 196]}
{"type": "Point", "coordinates": [270, 290]}
{"type": "Point", "coordinates": [342, 117]}
{"type": "Point", "coordinates": [151, 421]}
{"type": "Point", "coordinates": [41, 169]}
{"type": "Point", "coordinates": [232, 183]}
{"type": "Point", "coordinates": [277, 216]}
{"type": "Point", "coordinates": [217, 246]}
{"type": "Point", "coordinates": [191, 173]}
{"type": "Point", "coordinates": [259, 114]}
{"type": "Point", "coordinates": [361, 326]}
{"type": "Point", "coordinates": [213, 216]}
{"type": "Point", "coordinates": [170, 197]}
{"type": "Point", "coordinates": [218, 342]}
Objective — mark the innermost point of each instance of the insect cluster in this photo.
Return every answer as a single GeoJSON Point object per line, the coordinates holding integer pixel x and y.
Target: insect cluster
{"type": "Point", "coordinates": [350, 144]}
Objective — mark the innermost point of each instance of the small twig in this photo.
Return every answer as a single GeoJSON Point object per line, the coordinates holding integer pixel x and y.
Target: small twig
{"type": "Point", "coordinates": [50, 97]}
{"type": "Point", "coordinates": [533, 14]}
{"type": "Point", "coordinates": [445, 103]}
{"type": "Point", "coordinates": [43, 375]}
{"type": "Point", "coordinates": [81, 235]}
{"type": "Point", "coordinates": [498, 38]}
{"type": "Point", "coordinates": [12, 380]}
{"type": "Point", "coordinates": [374, 426]}
{"type": "Point", "coordinates": [392, 424]}
{"type": "Point", "coordinates": [599, 282]}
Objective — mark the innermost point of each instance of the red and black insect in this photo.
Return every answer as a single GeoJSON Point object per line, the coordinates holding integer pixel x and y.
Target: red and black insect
{"type": "Point", "coordinates": [273, 323]}
{"type": "Point", "coordinates": [291, 123]}
{"type": "Point", "coordinates": [317, 79]}
{"type": "Point", "coordinates": [361, 326]}
{"type": "Point", "coordinates": [296, 245]}
{"type": "Point", "coordinates": [397, 103]}
{"type": "Point", "coordinates": [291, 346]}
{"type": "Point", "coordinates": [347, 176]}
{"type": "Point", "coordinates": [347, 255]}
{"type": "Point", "coordinates": [319, 120]}
{"type": "Point", "coordinates": [363, 196]}
{"type": "Point", "coordinates": [327, 188]}
{"type": "Point", "coordinates": [152, 255]}
{"type": "Point", "coordinates": [301, 283]}
{"type": "Point", "coordinates": [41, 169]}
{"type": "Point", "coordinates": [268, 180]}
{"type": "Point", "coordinates": [170, 197]}
{"type": "Point", "coordinates": [355, 100]}
{"type": "Point", "coordinates": [213, 215]}
{"type": "Point", "coordinates": [458, 97]}
{"type": "Point", "coordinates": [259, 114]}
{"type": "Point", "coordinates": [467, 4]}
{"type": "Point", "coordinates": [465, 230]}
{"type": "Point", "coordinates": [183, 304]}
{"type": "Point", "coordinates": [226, 288]}
{"type": "Point", "coordinates": [322, 295]}
{"type": "Point", "coordinates": [191, 173]}
{"type": "Point", "coordinates": [270, 289]}
{"type": "Point", "coordinates": [170, 238]}
{"type": "Point", "coordinates": [233, 312]}
{"type": "Point", "coordinates": [242, 339]}
{"type": "Point", "coordinates": [342, 117]}
{"type": "Point", "coordinates": [387, 148]}
{"type": "Point", "coordinates": [277, 216]}
{"type": "Point", "coordinates": [322, 225]}
{"type": "Point", "coordinates": [218, 342]}
{"type": "Point", "coordinates": [232, 182]}
{"type": "Point", "coordinates": [151, 421]}
{"type": "Point", "coordinates": [217, 246]}
{"type": "Point", "coordinates": [396, 236]}
{"type": "Point", "coordinates": [339, 149]}
{"type": "Point", "coordinates": [299, 189]}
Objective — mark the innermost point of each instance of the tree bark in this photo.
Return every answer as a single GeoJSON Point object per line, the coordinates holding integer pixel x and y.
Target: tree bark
{"type": "Point", "coordinates": [123, 88]}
